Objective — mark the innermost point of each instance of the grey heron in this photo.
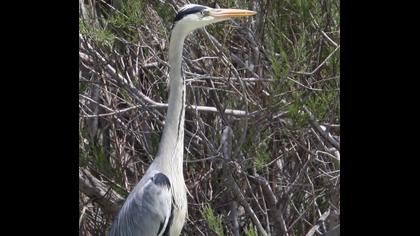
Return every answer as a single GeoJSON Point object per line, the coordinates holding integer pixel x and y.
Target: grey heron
{"type": "Point", "coordinates": [158, 203]}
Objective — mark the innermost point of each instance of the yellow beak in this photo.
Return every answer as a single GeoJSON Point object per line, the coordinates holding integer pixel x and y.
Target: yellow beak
{"type": "Point", "coordinates": [220, 13]}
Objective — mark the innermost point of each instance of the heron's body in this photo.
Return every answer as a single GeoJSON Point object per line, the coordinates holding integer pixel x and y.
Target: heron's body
{"type": "Point", "coordinates": [158, 203]}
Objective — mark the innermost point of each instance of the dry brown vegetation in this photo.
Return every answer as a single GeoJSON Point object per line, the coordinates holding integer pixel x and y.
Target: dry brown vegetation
{"type": "Point", "coordinates": [262, 124]}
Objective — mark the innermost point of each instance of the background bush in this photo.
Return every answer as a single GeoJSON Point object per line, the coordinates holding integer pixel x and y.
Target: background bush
{"type": "Point", "coordinates": [281, 67]}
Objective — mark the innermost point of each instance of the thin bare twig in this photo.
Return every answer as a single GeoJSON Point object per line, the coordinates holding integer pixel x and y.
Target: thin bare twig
{"type": "Point", "coordinates": [319, 66]}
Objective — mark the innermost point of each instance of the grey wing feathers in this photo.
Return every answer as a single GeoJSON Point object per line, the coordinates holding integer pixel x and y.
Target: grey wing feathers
{"type": "Point", "coordinates": [147, 209]}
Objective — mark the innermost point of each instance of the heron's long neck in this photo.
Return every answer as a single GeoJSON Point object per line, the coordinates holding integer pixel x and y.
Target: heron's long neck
{"type": "Point", "coordinates": [171, 146]}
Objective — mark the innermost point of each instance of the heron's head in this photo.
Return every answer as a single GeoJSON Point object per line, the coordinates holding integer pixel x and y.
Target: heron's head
{"type": "Point", "coordinates": [193, 16]}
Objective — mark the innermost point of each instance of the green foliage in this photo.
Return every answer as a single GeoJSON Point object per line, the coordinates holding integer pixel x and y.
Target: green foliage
{"type": "Point", "coordinates": [96, 155]}
{"type": "Point", "coordinates": [320, 103]}
{"type": "Point", "coordinates": [214, 222]}
{"type": "Point", "coordinates": [280, 65]}
{"type": "Point", "coordinates": [167, 13]}
{"type": "Point", "coordinates": [297, 45]}
{"type": "Point", "coordinates": [125, 22]}
{"type": "Point", "coordinates": [83, 87]}
{"type": "Point", "coordinates": [250, 230]}
{"type": "Point", "coordinates": [263, 156]}
{"type": "Point", "coordinates": [298, 116]}
{"type": "Point", "coordinates": [92, 153]}
{"type": "Point", "coordinates": [99, 35]}
{"type": "Point", "coordinates": [116, 24]}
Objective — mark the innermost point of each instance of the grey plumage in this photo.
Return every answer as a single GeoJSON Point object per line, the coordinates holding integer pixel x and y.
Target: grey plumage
{"type": "Point", "coordinates": [148, 208]}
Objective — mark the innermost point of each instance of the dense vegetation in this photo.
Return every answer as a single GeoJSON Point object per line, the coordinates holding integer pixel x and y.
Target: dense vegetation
{"type": "Point", "coordinates": [265, 161]}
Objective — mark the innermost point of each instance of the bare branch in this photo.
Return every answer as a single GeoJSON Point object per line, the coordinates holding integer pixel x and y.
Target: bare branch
{"type": "Point", "coordinates": [226, 149]}
{"type": "Point", "coordinates": [314, 123]}
{"type": "Point", "coordinates": [314, 228]}
{"type": "Point", "coordinates": [94, 188]}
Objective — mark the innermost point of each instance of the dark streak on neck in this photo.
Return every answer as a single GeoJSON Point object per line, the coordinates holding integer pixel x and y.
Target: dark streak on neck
{"type": "Point", "coordinates": [181, 113]}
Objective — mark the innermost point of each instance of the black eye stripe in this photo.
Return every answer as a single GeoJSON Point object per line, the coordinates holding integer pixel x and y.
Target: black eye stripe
{"type": "Point", "coordinates": [190, 10]}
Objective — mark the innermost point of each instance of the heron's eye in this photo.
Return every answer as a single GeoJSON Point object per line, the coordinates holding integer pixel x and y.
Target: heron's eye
{"type": "Point", "coordinates": [205, 12]}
